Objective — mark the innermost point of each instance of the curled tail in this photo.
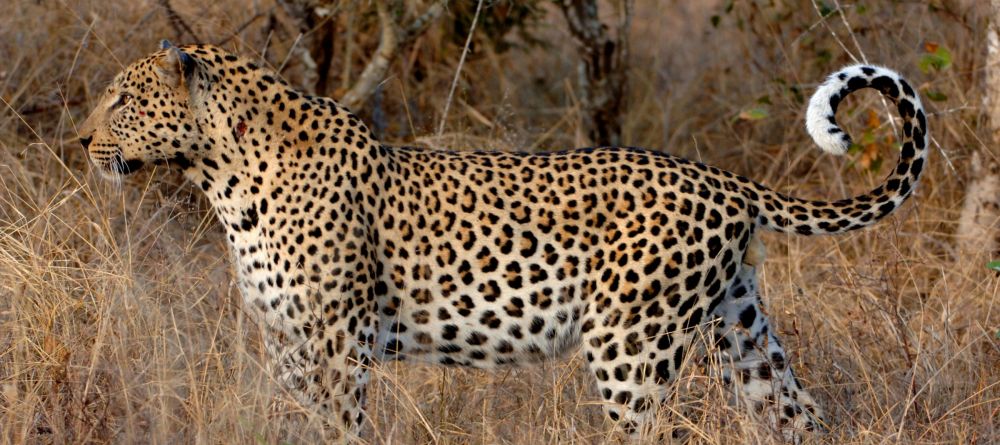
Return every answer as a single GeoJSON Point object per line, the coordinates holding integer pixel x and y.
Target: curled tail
{"type": "Point", "coordinates": [787, 214]}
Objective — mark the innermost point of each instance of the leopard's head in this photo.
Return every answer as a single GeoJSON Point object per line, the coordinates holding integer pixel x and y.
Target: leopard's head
{"type": "Point", "coordinates": [145, 115]}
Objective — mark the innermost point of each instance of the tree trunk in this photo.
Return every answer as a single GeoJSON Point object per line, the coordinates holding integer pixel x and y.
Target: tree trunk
{"type": "Point", "coordinates": [603, 68]}
{"type": "Point", "coordinates": [979, 223]}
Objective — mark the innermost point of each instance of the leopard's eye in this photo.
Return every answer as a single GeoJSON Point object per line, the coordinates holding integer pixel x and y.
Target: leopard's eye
{"type": "Point", "coordinates": [123, 99]}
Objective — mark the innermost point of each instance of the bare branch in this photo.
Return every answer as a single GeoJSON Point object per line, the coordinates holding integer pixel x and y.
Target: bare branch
{"type": "Point", "coordinates": [315, 51]}
{"type": "Point", "coordinates": [244, 26]}
{"type": "Point", "coordinates": [977, 234]}
{"type": "Point", "coordinates": [375, 71]}
{"type": "Point", "coordinates": [421, 23]}
{"type": "Point", "coordinates": [180, 26]}
{"type": "Point", "coordinates": [392, 39]}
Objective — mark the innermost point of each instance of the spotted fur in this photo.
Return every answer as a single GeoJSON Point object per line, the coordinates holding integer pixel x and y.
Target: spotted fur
{"type": "Point", "coordinates": [350, 251]}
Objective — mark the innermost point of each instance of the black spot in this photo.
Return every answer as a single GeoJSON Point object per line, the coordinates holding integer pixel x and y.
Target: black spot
{"type": "Point", "coordinates": [664, 342]}
{"type": "Point", "coordinates": [748, 316]}
{"type": "Point", "coordinates": [393, 347]}
{"type": "Point", "coordinates": [905, 108]}
{"type": "Point", "coordinates": [623, 397]}
{"type": "Point", "coordinates": [537, 324]}
{"type": "Point", "coordinates": [856, 83]}
{"type": "Point", "coordinates": [886, 85]}
{"type": "Point", "coordinates": [692, 281]}
{"type": "Point", "coordinates": [764, 371]}
{"type": "Point", "coordinates": [694, 320]}
{"type": "Point", "coordinates": [611, 353]}
{"type": "Point", "coordinates": [450, 332]}
{"type": "Point", "coordinates": [663, 371]}
{"type": "Point", "coordinates": [778, 360]}
{"type": "Point", "coordinates": [643, 403]}
{"type": "Point", "coordinates": [476, 339]}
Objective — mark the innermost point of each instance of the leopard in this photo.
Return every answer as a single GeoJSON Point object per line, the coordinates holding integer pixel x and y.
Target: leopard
{"type": "Point", "coordinates": [350, 252]}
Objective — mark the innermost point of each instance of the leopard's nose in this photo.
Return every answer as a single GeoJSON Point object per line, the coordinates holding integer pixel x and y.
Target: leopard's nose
{"type": "Point", "coordinates": [86, 141]}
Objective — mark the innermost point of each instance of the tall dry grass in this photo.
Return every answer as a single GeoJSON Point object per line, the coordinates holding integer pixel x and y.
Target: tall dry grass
{"type": "Point", "coordinates": [119, 321]}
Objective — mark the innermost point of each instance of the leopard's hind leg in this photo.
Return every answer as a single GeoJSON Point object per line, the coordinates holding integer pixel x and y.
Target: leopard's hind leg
{"type": "Point", "coordinates": [752, 360]}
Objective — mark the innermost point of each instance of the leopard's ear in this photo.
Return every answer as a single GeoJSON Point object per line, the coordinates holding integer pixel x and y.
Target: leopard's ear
{"type": "Point", "coordinates": [175, 66]}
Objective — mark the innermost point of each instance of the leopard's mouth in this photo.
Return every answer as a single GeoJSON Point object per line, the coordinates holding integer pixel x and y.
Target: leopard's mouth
{"type": "Point", "coordinates": [116, 164]}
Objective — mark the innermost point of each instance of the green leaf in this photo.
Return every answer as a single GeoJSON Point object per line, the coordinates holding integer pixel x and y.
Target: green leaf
{"type": "Point", "coordinates": [824, 56]}
{"type": "Point", "coordinates": [825, 9]}
{"type": "Point", "coordinates": [797, 94]}
{"type": "Point", "coordinates": [753, 114]}
{"type": "Point", "coordinates": [939, 60]}
{"type": "Point", "coordinates": [875, 165]}
{"type": "Point", "coordinates": [936, 96]}
{"type": "Point", "coordinates": [867, 138]}
{"type": "Point", "coordinates": [715, 20]}
{"type": "Point", "coordinates": [993, 265]}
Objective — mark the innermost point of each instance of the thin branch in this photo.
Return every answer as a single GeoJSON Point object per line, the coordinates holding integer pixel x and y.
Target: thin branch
{"type": "Point", "coordinates": [833, 33]}
{"type": "Point", "coordinates": [458, 71]}
{"type": "Point", "coordinates": [345, 75]}
{"type": "Point", "coordinates": [180, 26]}
{"type": "Point", "coordinates": [623, 29]}
{"type": "Point", "coordinates": [291, 51]}
{"type": "Point", "coordinates": [42, 108]}
{"type": "Point", "coordinates": [420, 24]}
{"type": "Point", "coordinates": [244, 26]}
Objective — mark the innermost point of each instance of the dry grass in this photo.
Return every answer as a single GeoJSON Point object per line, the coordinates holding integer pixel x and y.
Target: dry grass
{"type": "Point", "coordinates": [119, 321]}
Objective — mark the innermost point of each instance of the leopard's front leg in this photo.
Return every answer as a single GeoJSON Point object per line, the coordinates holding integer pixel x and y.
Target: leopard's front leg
{"type": "Point", "coordinates": [321, 326]}
{"type": "Point", "coordinates": [327, 371]}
